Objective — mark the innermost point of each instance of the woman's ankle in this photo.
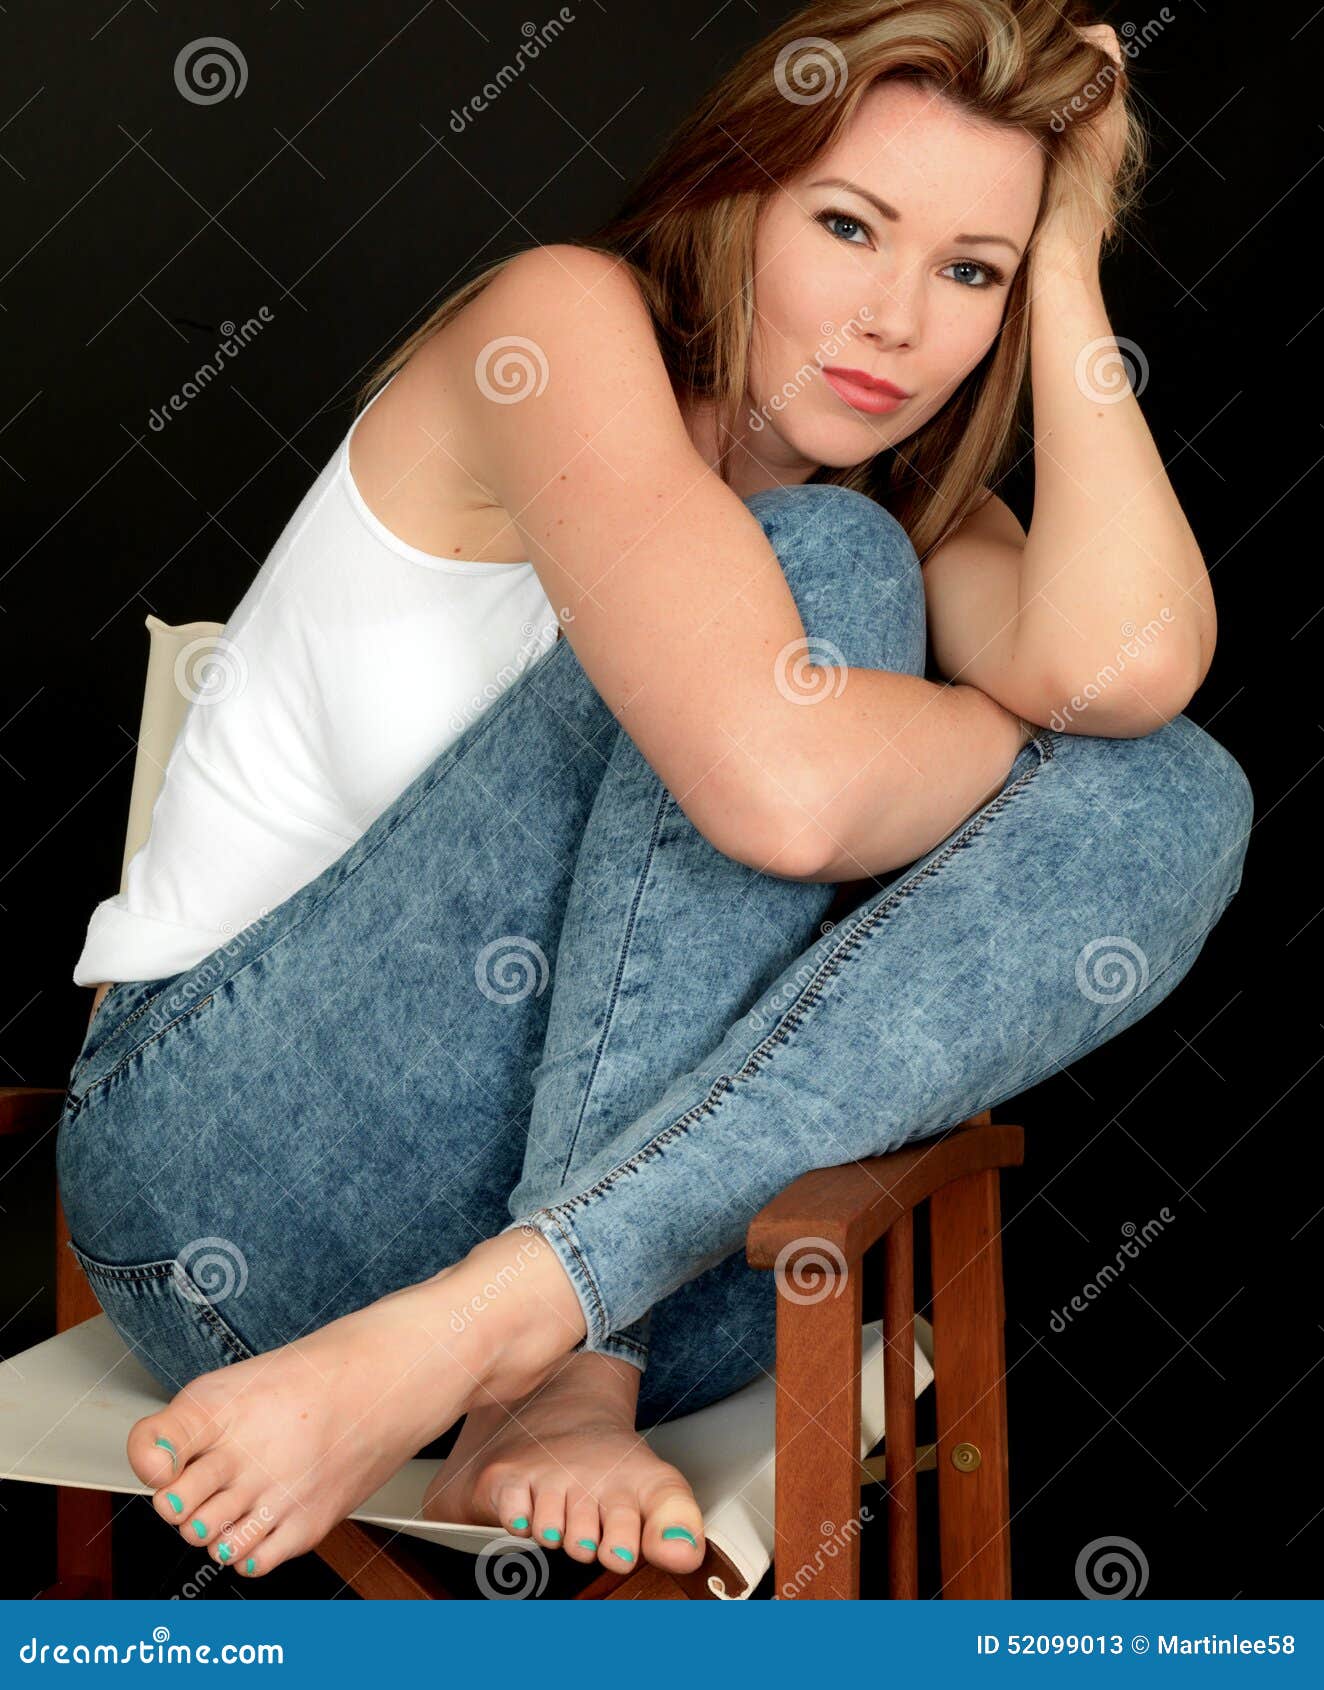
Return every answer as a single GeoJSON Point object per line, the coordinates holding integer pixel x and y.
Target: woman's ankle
{"type": "Point", "coordinates": [511, 1296]}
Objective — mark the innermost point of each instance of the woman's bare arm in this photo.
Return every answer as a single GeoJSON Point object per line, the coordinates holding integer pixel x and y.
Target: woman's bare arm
{"type": "Point", "coordinates": [675, 602]}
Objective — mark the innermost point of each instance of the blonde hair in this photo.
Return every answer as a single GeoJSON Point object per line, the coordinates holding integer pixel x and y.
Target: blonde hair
{"type": "Point", "coordinates": [687, 227]}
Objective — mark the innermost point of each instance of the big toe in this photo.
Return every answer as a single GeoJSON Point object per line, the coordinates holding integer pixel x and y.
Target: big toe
{"type": "Point", "coordinates": [672, 1534]}
{"type": "Point", "coordinates": [161, 1445]}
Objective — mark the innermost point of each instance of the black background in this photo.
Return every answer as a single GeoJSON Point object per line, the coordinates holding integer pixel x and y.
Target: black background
{"type": "Point", "coordinates": [1181, 1410]}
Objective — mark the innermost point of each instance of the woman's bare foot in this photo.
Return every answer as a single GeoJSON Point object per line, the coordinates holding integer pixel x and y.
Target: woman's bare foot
{"type": "Point", "coordinates": [260, 1459]}
{"type": "Point", "coordinates": [566, 1468]}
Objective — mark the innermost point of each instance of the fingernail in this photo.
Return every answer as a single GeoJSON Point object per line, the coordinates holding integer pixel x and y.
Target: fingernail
{"type": "Point", "coordinates": [224, 1551]}
{"type": "Point", "coordinates": [587, 1543]}
{"type": "Point", "coordinates": [199, 1528]}
{"type": "Point", "coordinates": [551, 1534]}
{"type": "Point", "coordinates": [625, 1554]}
{"type": "Point", "coordinates": [250, 1564]}
{"type": "Point", "coordinates": [174, 1502]}
{"type": "Point", "coordinates": [520, 1522]}
{"type": "Point", "coordinates": [166, 1444]}
{"type": "Point", "coordinates": [679, 1531]}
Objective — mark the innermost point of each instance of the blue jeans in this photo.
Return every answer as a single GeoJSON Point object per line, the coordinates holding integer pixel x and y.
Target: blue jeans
{"type": "Point", "coordinates": [533, 993]}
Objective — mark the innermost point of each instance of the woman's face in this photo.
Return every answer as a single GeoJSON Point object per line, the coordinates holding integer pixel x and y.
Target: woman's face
{"type": "Point", "coordinates": [904, 294]}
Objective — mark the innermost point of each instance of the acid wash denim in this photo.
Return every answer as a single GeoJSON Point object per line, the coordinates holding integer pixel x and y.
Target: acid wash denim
{"type": "Point", "coordinates": [532, 994]}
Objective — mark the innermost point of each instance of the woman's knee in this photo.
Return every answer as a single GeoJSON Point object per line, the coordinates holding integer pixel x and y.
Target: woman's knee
{"type": "Point", "coordinates": [1178, 805]}
{"type": "Point", "coordinates": [853, 573]}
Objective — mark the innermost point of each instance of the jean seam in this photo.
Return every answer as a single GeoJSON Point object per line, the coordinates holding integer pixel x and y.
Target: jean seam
{"type": "Point", "coordinates": [811, 994]}
{"type": "Point", "coordinates": [94, 1085]}
{"type": "Point", "coordinates": [599, 1320]}
{"type": "Point", "coordinates": [630, 926]}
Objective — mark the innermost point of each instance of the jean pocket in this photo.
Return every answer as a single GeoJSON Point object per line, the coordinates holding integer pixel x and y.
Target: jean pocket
{"type": "Point", "coordinates": [165, 1320]}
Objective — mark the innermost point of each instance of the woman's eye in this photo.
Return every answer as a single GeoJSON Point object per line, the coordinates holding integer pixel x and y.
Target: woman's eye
{"type": "Point", "coordinates": [827, 218]}
{"type": "Point", "coordinates": [989, 273]}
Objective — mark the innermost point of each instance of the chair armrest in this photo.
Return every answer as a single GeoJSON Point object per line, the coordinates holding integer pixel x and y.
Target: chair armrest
{"type": "Point", "coordinates": [852, 1206]}
{"type": "Point", "coordinates": [24, 1107]}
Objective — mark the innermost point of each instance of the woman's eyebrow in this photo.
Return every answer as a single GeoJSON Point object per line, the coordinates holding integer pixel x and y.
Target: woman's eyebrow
{"type": "Point", "coordinates": [894, 216]}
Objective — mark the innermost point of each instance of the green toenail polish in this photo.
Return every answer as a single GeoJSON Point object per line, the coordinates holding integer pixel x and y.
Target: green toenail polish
{"type": "Point", "coordinates": [174, 1501]}
{"type": "Point", "coordinates": [679, 1531]}
{"type": "Point", "coordinates": [250, 1564]}
{"type": "Point", "coordinates": [165, 1443]}
{"type": "Point", "coordinates": [551, 1534]}
{"type": "Point", "coordinates": [199, 1528]}
{"type": "Point", "coordinates": [587, 1543]}
{"type": "Point", "coordinates": [520, 1522]}
{"type": "Point", "coordinates": [224, 1551]}
{"type": "Point", "coordinates": [624, 1554]}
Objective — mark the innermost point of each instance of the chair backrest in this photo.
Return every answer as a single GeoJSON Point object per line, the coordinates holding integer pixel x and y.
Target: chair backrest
{"type": "Point", "coordinates": [173, 655]}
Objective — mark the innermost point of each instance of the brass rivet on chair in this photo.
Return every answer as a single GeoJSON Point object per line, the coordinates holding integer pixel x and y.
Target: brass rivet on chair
{"type": "Point", "coordinates": [966, 1457]}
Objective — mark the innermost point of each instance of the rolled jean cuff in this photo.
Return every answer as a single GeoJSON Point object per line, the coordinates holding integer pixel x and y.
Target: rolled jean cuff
{"type": "Point", "coordinates": [556, 1228]}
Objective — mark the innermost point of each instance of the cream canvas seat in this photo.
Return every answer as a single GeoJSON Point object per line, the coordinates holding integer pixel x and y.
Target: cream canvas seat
{"type": "Point", "coordinates": [66, 1404]}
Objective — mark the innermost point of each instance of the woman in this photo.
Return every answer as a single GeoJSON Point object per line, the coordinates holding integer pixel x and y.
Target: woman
{"type": "Point", "coordinates": [440, 1186]}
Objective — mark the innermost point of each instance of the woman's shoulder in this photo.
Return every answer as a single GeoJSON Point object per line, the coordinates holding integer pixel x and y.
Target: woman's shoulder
{"type": "Point", "coordinates": [567, 273]}
{"type": "Point", "coordinates": [560, 341]}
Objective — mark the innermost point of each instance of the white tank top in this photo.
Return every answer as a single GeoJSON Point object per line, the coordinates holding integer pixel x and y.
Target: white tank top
{"type": "Point", "coordinates": [350, 663]}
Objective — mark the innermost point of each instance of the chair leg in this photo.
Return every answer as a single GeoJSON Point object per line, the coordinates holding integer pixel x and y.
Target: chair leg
{"type": "Point", "coordinates": [818, 1433]}
{"type": "Point", "coordinates": [83, 1557]}
{"type": "Point", "coordinates": [82, 1546]}
{"type": "Point", "coordinates": [969, 1364]}
{"type": "Point", "coordinates": [899, 1402]}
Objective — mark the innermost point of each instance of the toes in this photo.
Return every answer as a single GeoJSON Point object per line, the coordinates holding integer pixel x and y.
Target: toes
{"type": "Point", "coordinates": [583, 1532]}
{"type": "Point", "coordinates": [161, 1445]}
{"type": "Point", "coordinates": [248, 1545]}
{"type": "Point", "coordinates": [180, 1500]}
{"type": "Point", "coordinates": [673, 1527]}
{"type": "Point", "coordinates": [216, 1517]}
{"type": "Point", "coordinates": [513, 1502]}
{"type": "Point", "coordinates": [549, 1517]}
{"type": "Point", "coordinates": [619, 1548]}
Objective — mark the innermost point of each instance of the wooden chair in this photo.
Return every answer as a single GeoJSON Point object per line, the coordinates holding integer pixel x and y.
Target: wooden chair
{"type": "Point", "coordinates": [777, 1467]}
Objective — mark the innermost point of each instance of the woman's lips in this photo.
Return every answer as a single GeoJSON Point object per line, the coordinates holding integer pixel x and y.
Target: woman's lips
{"type": "Point", "coordinates": [861, 395]}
